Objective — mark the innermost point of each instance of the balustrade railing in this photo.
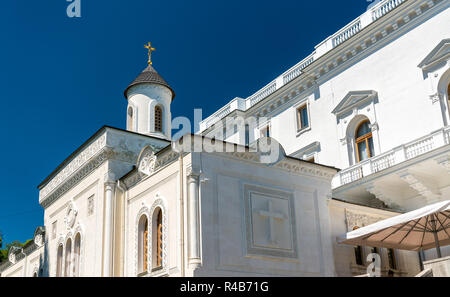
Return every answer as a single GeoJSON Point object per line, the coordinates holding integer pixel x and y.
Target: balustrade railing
{"type": "Point", "coordinates": [328, 44]}
{"type": "Point", "coordinates": [393, 157]}
{"type": "Point", "coordinates": [384, 7]}
{"type": "Point", "coordinates": [347, 32]}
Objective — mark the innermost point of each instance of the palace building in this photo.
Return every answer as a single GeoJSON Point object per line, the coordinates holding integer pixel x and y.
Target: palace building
{"type": "Point", "coordinates": [362, 132]}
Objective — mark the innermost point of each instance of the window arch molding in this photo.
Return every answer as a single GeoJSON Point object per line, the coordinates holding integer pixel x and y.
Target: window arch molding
{"type": "Point", "coordinates": [443, 96]}
{"type": "Point", "coordinates": [61, 243]}
{"type": "Point", "coordinates": [144, 211]}
{"type": "Point", "coordinates": [161, 204]}
{"type": "Point", "coordinates": [78, 230]}
{"type": "Point", "coordinates": [354, 108]}
{"type": "Point", "coordinates": [68, 239]}
{"type": "Point", "coordinates": [350, 137]}
{"type": "Point", "coordinates": [152, 107]}
{"type": "Point", "coordinates": [132, 118]}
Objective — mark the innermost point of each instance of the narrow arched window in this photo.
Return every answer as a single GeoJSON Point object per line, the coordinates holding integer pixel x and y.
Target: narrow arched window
{"type": "Point", "coordinates": [157, 239]}
{"type": "Point", "coordinates": [68, 257]}
{"type": "Point", "coordinates": [130, 118]}
{"type": "Point", "coordinates": [77, 252]}
{"type": "Point", "coordinates": [143, 244]}
{"type": "Point", "coordinates": [158, 119]}
{"type": "Point", "coordinates": [364, 142]}
{"type": "Point", "coordinates": [59, 259]}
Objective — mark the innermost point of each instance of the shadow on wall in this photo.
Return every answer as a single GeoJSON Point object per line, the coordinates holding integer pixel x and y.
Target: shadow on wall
{"type": "Point", "coordinates": [43, 262]}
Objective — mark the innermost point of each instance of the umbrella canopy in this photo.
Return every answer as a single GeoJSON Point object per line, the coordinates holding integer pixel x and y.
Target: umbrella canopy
{"type": "Point", "coordinates": [421, 229]}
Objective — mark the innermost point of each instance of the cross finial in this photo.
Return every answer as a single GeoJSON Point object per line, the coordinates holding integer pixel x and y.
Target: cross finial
{"type": "Point", "coordinates": [150, 50]}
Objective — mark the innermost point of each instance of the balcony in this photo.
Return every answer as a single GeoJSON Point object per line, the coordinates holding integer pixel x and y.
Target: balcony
{"type": "Point", "coordinates": [393, 157]}
{"type": "Point", "coordinates": [418, 169]}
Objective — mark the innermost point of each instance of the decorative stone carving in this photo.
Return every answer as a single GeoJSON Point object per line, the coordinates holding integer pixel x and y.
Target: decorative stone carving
{"type": "Point", "coordinates": [270, 222]}
{"type": "Point", "coordinates": [355, 219]}
{"type": "Point", "coordinates": [38, 240]}
{"type": "Point", "coordinates": [71, 215]}
{"type": "Point", "coordinates": [39, 234]}
{"type": "Point", "coordinates": [74, 165]}
{"type": "Point", "coordinates": [12, 258]}
{"type": "Point", "coordinates": [147, 163]}
{"type": "Point", "coordinates": [435, 97]}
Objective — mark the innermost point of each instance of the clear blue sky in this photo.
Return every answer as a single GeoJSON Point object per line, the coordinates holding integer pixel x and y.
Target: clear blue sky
{"type": "Point", "coordinates": [61, 79]}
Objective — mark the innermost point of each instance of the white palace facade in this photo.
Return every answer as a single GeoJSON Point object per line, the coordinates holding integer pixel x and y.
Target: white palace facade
{"type": "Point", "coordinates": [363, 127]}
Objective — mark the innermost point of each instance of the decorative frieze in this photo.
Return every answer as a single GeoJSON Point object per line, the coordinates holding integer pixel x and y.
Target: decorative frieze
{"type": "Point", "coordinates": [359, 219]}
{"type": "Point", "coordinates": [112, 144]}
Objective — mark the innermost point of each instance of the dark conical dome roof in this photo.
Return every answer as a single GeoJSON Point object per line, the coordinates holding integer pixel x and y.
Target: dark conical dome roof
{"type": "Point", "coordinates": [149, 76]}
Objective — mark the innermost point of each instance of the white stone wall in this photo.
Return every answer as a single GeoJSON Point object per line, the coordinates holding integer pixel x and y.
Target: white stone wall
{"type": "Point", "coordinates": [160, 190]}
{"type": "Point", "coordinates": [27, 266]}
{"type": "Point", "coordinates": [143, 99]}
{"type": "Point", "coordinates": [89, 222]}
{"type": "Point", "coordinates": [231, 247]}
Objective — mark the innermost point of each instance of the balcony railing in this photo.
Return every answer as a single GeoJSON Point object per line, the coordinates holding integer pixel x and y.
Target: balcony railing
{"type": "Point", "coordinates": [393, 157]}
{"type": "Point", "coordinates": [344, 34]}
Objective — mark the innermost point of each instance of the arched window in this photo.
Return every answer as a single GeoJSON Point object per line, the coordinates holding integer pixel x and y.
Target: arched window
{"type": "Point", "coordinates": [77, 251]}
{"type": "Point", "coordinates": [68, 257]}
{"type": "Point", "coordinates": [158, 119]}
{"type": "Point", "coordinates": [130, 118]}
{"type": "Point", "coordinates": [59, 261]}
{"type": "Point", "coordinates": [364, 142]}
{"type": "Point", "coordinates": [157, 239]}
{"type": "Point", "coordinates": [142, 244]}
{"type": "Point", "coordinates": [448, 95]}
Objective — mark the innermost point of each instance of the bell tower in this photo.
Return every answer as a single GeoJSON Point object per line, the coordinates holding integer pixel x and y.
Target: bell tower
{"type": "Point", "coordinates": [149, 98]}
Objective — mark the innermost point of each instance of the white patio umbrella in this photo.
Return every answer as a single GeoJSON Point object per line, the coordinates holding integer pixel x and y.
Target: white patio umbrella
{"type": "Point", "coordinates": [421, 229]}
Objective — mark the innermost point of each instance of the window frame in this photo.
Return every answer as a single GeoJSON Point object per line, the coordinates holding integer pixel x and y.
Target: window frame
{"type": "Point", "coordinates": [158, 124]}
{"type": "Point", "coordinates": [365, 138]}
{"type": "Point", "coordinates": [265, 128]}
{"type": "Point", "coordinates": [299, 117]}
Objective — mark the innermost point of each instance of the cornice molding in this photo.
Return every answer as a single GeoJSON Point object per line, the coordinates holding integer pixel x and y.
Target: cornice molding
{"type": "Point", "coordinates": [354, 99]}
{"type": "Point", "coordinates": [110, 145]}
{"type": "Point", "coordinates": [161, 161]}
{"type": "Point", "coordinates": [362, 44]}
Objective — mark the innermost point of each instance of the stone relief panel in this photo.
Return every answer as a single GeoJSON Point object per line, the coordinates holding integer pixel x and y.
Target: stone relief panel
{"type": "Point", "coordinates": [71, 215]}
{"type": "Point", "coordinates": [359, 219]}
{"type": "Point", "coordinates": [270, 222]}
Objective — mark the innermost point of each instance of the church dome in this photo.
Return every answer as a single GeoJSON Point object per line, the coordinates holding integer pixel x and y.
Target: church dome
{"type": "Point", "coordinates": [149, 76]}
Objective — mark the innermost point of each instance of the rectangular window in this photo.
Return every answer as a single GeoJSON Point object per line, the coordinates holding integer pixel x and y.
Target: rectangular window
{"type": "Point", "coordinates": [302, 117]}
{"type": "Point", "coordinates": [265, 132]}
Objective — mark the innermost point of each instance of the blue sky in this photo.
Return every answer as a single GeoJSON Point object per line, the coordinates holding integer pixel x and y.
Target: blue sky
{"type": "Point", "coordinates": [62, 78]}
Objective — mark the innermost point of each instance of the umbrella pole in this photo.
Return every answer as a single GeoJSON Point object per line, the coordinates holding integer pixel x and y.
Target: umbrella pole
{"type": "Point", "coordinates": [436, 239]}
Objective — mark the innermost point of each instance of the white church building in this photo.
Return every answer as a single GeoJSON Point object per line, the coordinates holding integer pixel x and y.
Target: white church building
{"type": "Point", "coordinates": [362, 127]}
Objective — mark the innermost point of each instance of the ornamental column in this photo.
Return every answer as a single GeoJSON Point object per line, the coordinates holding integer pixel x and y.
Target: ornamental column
{"type": "Point", "coordinates": [109, 196]}
{"type": "Point", "coordinates": [193, 204]}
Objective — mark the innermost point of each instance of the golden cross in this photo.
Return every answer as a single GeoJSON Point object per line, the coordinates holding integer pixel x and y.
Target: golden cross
{"type": "Point", "coordinates": [150, 50]}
